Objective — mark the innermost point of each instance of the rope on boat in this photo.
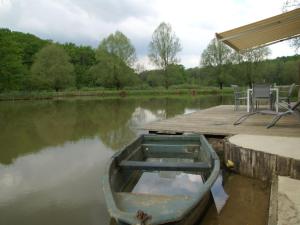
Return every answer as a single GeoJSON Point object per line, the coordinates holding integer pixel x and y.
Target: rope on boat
{"type": "Point", "coordinates": [142, 217]}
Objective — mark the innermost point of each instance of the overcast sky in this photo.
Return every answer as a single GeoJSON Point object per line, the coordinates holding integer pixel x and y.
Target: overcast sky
{"type": "Point", "coordinates": [86, 22]}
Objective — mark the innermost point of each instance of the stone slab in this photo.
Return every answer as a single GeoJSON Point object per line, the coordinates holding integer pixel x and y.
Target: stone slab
{"type": "Point", "coordinates": [283, 146]}
{"type": "Point", "coordinates": [288, 201]}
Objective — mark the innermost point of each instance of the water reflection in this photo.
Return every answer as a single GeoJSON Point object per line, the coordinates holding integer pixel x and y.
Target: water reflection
{"type": "Point", "coordinates": [168, 183]}
{"type": "Point", "coordinates": [58, 179]}
{"type": "Point", "coordinates": [29, 126]}
{"type": "Point", "coordinates": [248, 203]}
{"type": "Point", "coordinates": [53, 154]}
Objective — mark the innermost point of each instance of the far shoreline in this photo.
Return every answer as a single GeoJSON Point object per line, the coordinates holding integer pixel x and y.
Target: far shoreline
{"type": "Point", "coordinates": [38, 95]}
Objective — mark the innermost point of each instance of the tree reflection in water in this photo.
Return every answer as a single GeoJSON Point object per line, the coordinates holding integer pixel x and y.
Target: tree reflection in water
{"type": "Point", "coordinates": [53, 153]}
{"type": "Point", "coordinates": [29, 126]}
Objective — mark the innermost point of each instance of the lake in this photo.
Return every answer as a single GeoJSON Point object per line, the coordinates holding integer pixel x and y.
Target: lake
{"type": "Point", "coordinates": [53, 153]}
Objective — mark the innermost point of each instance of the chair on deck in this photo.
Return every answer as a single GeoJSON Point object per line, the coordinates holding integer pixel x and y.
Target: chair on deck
{"type": "Point", "coordinates": [239, 96]}
{"type": "Point", "coordinates": [290, 110]}
{"type": "Point", "coordinates": [261, 92]}
{"type": "Point", "coordinates": [287, 98]}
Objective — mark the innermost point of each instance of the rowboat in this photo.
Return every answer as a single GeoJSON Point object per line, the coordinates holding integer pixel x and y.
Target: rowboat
{"type": "Point", "coordinates": [161, 179]}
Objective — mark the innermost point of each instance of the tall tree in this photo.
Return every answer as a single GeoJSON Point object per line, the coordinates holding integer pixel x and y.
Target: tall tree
{"type": "Point", "coordinates": [216, 55]}
{"type": "Point", "coordinates": [28, 44]}
{"type": "Point", "coordinates": [178, 74]}
{"type": "Point", "coordinates": [252, 59]}
{"type": "Point", "coordinates": [295, 42]}
{"type": "Point", "coordinates": [82, 57]}
{"type": "Point", "coordinates": [163, 48]}
{"type": "Point", "coordinates": [52, 68]}
{"type": "Point", "coordinates": [287, 6]}
{"type": "Point", "coordinates": [111, 72]}
{"type": "Point", "coordinates": [119, 45]}
{"type": "Point", "coordinates": [11, 67]}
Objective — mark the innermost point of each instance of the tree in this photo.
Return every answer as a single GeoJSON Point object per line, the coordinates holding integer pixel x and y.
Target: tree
{"type": "Point", "coordinates": [295, 42]}
{"type": "Point", "coordinates": [11, 68]}
{"type": "Point", "coordinates": [216, 55]}
{"type": "Point", "coordinates": [256, 55]}
{"type": "Point", "coordinates": [119, 45]}
{"type": "Point", "coordinates": [52, 69]}
{"type": "Point", "coordinates": [252, 59]}
{"type": "Point", "coordinates": [163, 48]}
{"type": "Point", "coordinates": [82, 57]}
{"type": "Point", "coordinates": [178, 74]}
{"type": "Point", "coordinates": [153, 78]}
{"type": "Point", "coordinates": [287, 6]}
{"type": "Point", "coordinates": [111, 72]}
{"type": "Point", "coordinates": [29, 45]}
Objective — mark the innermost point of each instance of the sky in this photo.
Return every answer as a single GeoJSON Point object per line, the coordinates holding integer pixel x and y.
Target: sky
{"type": "Point", "coordinates": [87, 22]}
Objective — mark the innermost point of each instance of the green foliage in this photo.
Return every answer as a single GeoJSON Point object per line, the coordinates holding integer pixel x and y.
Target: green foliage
{"type": "Point", "coordinates": [216, 55]}
{"type": "Point", "coordinates": [90, 70]}
{"type": "Point", "coordinates": [52, 69]}
{"type": "Point", "coordinates": [16, 57]}
{"type": "Point", "coordinates": [282, 71]}
{"type": "Point", "coordinates": [114, 56]}
{"type": "Point", "coordinates": [163, 49]}
{"type": "Point", "coordinates": [252, 59]}
{"type": "Point", "coordinates": [221, 61]}
{"type": "Point", "coordinates": [153, 78]}
{"type": "Point", "coordinates": [176, 74]}
{"type": "Point", "coordinates": [197, 76]}
{"type": "Point", "coordinates": [12, 71]}
{"type": "Point", "coordinates": [111, 72]}
{"type": "Point", "coordinates": [119, 45]}
{"type": "Point", "coordinates": [82, 57]}
{"type": "Point", "coordinates": [164, 46]}
{"type": "Point", "coordinates": [28, 44]}
{"type": "Point", "coordinates": [256, 55]}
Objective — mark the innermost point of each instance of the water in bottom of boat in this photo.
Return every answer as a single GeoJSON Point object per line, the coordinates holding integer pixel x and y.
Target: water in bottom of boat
{"type": "Point", "coordinates": [168, 182]}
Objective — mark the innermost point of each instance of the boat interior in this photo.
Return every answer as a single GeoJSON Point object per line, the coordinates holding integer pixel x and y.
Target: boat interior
{"type": "Point", "coordinates": [159, 170]}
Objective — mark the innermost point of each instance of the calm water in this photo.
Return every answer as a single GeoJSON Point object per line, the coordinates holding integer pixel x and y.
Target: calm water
{"type": "Point", "coordinates": [248, 203]}
{"type": "Point", "coordinates": [53, 153]}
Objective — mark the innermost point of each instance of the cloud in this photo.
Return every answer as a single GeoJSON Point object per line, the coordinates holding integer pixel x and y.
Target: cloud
{"type": "Point", "coordinates": [87, 22]}
{"type": "Point", "coordinates": [114, 11]}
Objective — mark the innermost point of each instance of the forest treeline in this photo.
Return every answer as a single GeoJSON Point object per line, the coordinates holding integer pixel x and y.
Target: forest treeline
{"type": "Point", "coordinates": [28, 63]}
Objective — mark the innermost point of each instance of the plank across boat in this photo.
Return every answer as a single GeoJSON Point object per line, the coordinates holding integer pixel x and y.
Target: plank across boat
{"type": "Point", "coordinates": [165, 156]}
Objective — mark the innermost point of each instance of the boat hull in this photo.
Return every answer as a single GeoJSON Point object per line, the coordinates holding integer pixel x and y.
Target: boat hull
{"type": "Point", "coordinates": [191, 219]}
{"type": "Point", "coordinates": [127, 167]}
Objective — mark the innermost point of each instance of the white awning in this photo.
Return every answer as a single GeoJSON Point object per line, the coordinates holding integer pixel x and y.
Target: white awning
{"type": "Point", "coordinates": [265, 32]}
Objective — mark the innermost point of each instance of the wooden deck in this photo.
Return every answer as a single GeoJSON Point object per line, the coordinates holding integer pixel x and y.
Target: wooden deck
{"type": "Point", "coordinates": [219, 121]}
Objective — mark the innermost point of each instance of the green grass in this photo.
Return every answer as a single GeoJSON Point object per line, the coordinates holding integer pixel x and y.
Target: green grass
{"type": "Point", "coordinates": [173, 91]}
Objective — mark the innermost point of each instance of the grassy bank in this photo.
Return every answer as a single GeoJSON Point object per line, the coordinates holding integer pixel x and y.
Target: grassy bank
{"type": "Point", "coordinates": [18, 95]}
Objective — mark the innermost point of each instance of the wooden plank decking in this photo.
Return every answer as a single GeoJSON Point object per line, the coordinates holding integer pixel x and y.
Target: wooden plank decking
{"type": "Point", "coordinates": [219, 121]}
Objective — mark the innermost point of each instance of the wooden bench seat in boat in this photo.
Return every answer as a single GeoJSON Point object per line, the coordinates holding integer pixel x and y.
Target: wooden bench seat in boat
{"type": "Point", "coordinates": [171, 150]}
{"type": "Point", "coordinates": [164, 166]}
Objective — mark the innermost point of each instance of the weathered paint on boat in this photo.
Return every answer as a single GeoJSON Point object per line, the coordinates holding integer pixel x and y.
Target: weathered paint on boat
{"type": "Point", "coordinates": [125, 168]}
